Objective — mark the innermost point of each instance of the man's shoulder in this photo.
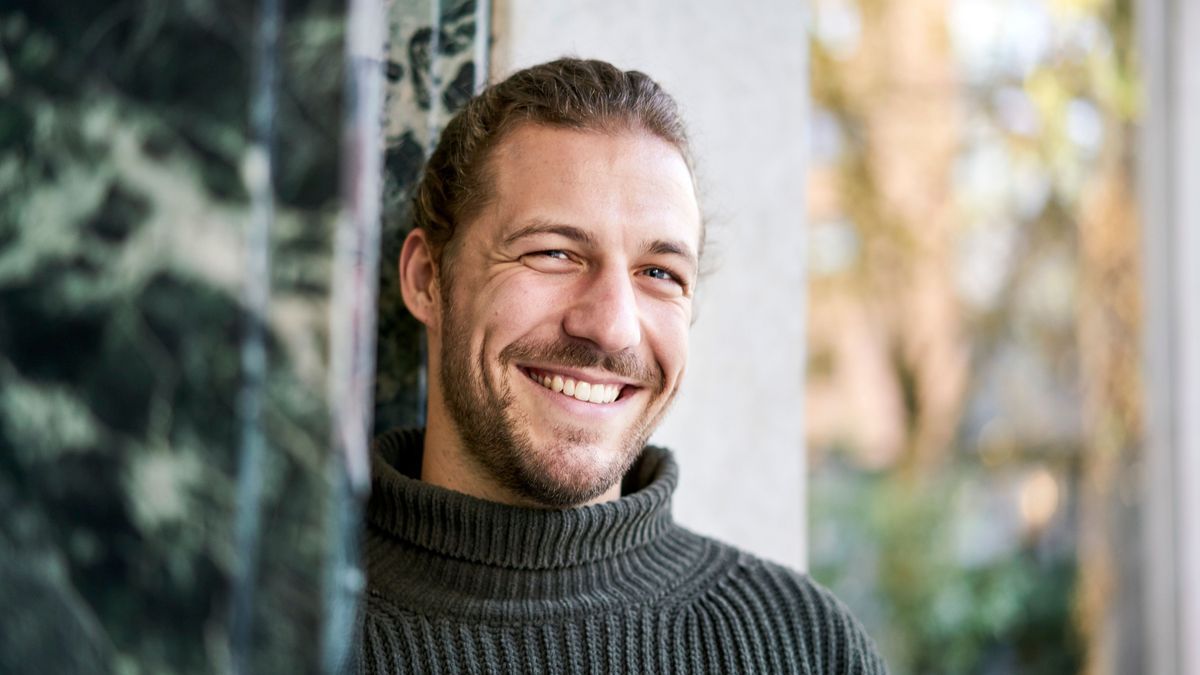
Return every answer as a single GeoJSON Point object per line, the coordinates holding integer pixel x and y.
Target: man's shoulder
{"type": "Point", "coordinates": [786, 582]}
{"type": "Point", "coordinates": [826, 632]}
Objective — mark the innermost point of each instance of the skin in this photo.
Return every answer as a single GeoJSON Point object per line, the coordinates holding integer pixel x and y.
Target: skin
{"type": "Point", "coordinates": [582, 263]}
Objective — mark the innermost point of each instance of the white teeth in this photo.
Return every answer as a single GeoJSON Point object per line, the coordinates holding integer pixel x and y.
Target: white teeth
{"type": "Point", "coordinates": [583, 391]}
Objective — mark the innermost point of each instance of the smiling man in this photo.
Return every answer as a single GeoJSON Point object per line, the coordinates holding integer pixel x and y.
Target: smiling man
{"type": "Point", "coordinates": [528, 528]}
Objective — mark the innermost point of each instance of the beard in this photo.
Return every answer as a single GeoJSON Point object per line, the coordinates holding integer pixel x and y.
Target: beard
{"type": "Point", "coordinates": [495, 432]}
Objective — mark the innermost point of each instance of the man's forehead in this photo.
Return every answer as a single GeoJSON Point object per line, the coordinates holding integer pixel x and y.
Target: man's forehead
{"type": "Point", "coordinates": [531, 143]}
{"type": "Point", "coordinates": [593, 180]}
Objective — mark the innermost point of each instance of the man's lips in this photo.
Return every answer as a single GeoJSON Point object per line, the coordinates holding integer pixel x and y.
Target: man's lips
{"type": "Point", "coordinates": [599, 388]}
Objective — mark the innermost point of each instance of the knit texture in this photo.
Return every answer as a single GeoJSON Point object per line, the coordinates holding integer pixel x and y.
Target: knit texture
{"type": "Point", "coordinates": [461, 585]}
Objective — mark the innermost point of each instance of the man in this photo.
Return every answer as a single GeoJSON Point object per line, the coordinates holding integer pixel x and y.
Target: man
{"type": "Point", "coordinates": [528, 527]}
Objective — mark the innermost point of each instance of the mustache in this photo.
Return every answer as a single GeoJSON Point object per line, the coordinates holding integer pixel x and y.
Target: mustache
{"type": "Point", "coordinates": [576, 354]}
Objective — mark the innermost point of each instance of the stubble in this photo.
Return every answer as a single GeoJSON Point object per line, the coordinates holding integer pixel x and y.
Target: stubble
{"type": "Point", "coordinates": [495, 433]}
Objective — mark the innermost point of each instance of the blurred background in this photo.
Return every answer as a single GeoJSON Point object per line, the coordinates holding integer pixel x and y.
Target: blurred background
{"type": "Point", "coordinates": [950, 336]}
{"type": "Point", "coordinates": [974, 391]}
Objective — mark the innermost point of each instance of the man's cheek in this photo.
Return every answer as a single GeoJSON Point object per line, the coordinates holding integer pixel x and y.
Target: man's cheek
{"type": "Point", "coordinates": [674, 349]}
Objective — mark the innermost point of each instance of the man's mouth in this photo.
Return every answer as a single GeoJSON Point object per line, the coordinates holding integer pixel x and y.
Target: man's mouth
{"type": "Point", "coordinates": [592, 392]}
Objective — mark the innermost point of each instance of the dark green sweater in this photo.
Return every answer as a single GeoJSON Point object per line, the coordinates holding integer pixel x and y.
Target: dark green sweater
{"type": "Point", "coordinates": [461, 585]}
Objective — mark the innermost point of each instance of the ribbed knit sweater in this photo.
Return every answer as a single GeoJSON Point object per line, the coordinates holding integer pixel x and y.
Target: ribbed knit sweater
{"type": "Point", "coordinates": [461, 585]}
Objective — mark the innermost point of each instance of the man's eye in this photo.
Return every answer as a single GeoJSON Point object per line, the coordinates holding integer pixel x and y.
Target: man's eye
{"type": "Point", "coordinates": [663, 274]}
{"type": "Point", "coordinates": [550, 260]}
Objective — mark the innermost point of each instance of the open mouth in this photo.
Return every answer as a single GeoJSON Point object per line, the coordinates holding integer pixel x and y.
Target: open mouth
{"type": "Point", "coordinates": [591, 392]}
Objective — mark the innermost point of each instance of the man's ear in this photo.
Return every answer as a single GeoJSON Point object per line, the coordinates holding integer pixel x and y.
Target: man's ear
{"type": "Point", "coordinates": [419, 278]}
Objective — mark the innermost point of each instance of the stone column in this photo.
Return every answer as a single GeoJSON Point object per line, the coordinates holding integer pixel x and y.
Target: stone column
{"type": "Point", "coordinates": [169, 196]}
{"type": "Point", "coordinates": [1170, 173]}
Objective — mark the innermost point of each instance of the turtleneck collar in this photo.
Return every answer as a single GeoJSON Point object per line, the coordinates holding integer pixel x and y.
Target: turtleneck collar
{"type": "Point", "coordinates": [462, 527]}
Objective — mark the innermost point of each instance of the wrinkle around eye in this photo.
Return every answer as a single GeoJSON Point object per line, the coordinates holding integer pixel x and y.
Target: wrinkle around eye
{"type": "Point", "coordinates": [550, 260]}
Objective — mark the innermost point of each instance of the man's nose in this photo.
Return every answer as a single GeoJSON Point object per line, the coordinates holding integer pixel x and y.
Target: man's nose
{"type": "Point", "coordinates": [605, 313]}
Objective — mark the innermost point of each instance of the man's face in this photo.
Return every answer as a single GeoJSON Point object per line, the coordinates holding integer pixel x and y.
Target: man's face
{"type": "Point", "coordinates": [565, 310]}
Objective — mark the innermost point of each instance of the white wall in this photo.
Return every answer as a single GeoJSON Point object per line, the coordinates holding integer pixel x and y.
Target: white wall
{"type": "Point", "coordinates": [739, 70]}
{"type": "Point", "coordinates": [1170, 193]}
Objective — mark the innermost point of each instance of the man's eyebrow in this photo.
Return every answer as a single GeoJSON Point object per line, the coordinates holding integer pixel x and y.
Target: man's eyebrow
{"type": "Point", "coordinates": [571, 232]}
{"type": "Point", "coordinates": [673, 247]}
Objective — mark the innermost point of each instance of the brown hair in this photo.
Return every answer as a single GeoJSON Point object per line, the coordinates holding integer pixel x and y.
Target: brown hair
{"type": "Point", "coordinates": [568, 93]}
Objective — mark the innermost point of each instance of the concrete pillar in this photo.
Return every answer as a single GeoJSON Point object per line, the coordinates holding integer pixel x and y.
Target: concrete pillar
{"type": "Point", "coordinates": [1170, 175]}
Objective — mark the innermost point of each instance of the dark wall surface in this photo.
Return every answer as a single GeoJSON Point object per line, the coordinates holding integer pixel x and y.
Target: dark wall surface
{"type": "Point", "coordinates": [124, 213]}
{"type": "Point", "coordinates": [169, 498]}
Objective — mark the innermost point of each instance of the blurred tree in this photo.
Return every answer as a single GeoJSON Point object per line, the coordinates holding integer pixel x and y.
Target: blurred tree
{"type": "Point", "coordinates": [973, 329]}
{"type": "Point", "coordinates": [1110, 604]}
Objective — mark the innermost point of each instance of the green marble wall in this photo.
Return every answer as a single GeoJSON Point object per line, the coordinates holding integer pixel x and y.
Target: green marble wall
{"type": "Point", "coordinates": [433, 68]}
{"type": "Point", "coordinates": [172, 497]}
{"type": "Point", "coordinates": [124, 217]}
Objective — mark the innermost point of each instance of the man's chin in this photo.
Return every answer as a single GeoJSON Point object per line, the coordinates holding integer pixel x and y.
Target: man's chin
{"type": "Point", "coordinates": [564, 474]}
